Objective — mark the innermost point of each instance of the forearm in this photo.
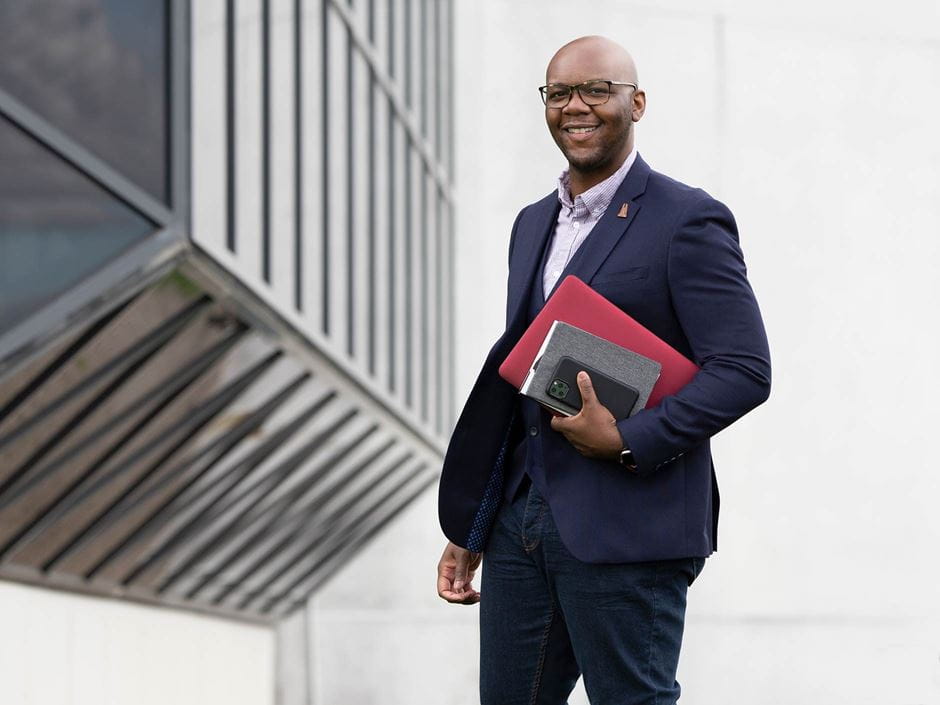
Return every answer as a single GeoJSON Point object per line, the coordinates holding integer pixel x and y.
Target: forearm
{"type": "Point", "coordinates": [719, 395]}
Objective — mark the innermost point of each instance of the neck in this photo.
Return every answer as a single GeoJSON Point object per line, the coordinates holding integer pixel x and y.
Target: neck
{"type": "Point", "coordinates": [580, 181]}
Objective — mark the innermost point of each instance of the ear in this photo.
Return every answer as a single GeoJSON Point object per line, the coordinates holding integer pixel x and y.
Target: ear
{"type": "Point", "coordinates": [639, 105]}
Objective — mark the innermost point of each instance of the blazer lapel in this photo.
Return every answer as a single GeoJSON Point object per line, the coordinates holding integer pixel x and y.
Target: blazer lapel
{"type": "Point", "coordinates": [535, 227]}
{"type": "Point", "coordinates": [610, 228]}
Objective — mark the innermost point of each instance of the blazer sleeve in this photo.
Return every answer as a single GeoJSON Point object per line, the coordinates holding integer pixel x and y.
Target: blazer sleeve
{"type": "Point", "coordinates": [718, 313]}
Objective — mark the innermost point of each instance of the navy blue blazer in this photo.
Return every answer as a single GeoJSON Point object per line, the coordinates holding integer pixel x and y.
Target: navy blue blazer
{"type": "Point", "coordinates": [675, 265]}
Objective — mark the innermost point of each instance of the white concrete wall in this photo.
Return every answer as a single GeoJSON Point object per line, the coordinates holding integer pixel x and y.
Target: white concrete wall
{"type": "Point", "coordinates": [62, 649]}
{"type": "Point", "coordinates": [814, 121]}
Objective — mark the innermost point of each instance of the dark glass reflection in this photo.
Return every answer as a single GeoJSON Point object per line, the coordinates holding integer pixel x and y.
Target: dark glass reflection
{"type": "Point", "coordinates": [56, 226]}
{"type": "Point", "coordinates": [96, 69]}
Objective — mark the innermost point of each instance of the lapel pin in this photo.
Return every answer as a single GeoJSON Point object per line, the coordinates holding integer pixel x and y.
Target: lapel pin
{"type": "Point", "coordinates": [622, 213]}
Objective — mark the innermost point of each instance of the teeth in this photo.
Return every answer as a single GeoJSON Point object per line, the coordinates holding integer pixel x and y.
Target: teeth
{"type": "Point", "coordinates": [580, 130]}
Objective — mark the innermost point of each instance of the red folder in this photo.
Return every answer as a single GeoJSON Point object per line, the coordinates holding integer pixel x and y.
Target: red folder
{"type": "Point", "coordinates": [577, 304]}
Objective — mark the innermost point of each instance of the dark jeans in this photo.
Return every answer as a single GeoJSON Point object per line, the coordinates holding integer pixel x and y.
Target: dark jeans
{"type": "Point", "coordinates": [546, 618]}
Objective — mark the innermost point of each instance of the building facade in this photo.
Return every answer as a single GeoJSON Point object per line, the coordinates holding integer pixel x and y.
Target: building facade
{"type": "Point", "coordinates": [226, 286]}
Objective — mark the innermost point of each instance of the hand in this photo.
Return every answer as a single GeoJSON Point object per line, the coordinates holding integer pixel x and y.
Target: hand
{"type": "Point", "coordinates": [593, 430]}
{"type": "Point", "coordinates": [454, 573]}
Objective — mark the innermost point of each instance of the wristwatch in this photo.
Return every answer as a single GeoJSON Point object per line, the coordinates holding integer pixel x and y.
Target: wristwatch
{"type": "Point", "coordinates": [627, 459]}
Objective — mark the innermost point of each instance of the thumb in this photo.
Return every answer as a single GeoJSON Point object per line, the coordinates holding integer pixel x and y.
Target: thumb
{"type": "Point", "coordinates": [588, 397]}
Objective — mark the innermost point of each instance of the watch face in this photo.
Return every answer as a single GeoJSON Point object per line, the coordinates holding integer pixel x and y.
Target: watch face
{"type": "Point", "coordinates": [626, 459]}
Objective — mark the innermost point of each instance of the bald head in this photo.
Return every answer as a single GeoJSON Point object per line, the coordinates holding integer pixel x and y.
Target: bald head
{"type": "Point", "coordinates": [599, 54]}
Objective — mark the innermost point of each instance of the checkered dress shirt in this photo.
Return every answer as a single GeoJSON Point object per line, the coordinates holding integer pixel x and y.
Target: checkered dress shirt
{"type": "Point", "coordinates": [577, 218]}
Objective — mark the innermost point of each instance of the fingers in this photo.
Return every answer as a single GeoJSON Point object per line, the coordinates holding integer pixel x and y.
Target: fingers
{"type": "Point", "coordinates": [444, 583]}
{"type": "Point", "coordinates": [593, 430]}
{"type": "Point", "coordinates": [588, 401]}
{"type": "Point", "coordinates": [467, 597]}
{"type": "Point", "coordinates": [455, 573]}
{"type": "Point", "coordinates": [460, 571]}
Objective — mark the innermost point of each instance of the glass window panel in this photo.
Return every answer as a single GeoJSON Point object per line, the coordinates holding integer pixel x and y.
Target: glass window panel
{"type": "Point", "coordinates": [96, 69]}
{"type": "Point", "coordinates": [56, 226]}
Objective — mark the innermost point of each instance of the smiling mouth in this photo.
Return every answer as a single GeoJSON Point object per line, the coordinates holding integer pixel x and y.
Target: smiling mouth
{"type": "Point", "coordinates": [580, 130]}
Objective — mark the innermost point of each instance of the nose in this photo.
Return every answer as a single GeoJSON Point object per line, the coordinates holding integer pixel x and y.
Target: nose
{"type": "Point", "coordinates": [576, 105]}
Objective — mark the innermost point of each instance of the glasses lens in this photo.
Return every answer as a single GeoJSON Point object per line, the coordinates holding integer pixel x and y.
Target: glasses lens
{"type": "Point", "coordinates": [556, 96]}
{"type": "Point", "coordinates": [595, 93]}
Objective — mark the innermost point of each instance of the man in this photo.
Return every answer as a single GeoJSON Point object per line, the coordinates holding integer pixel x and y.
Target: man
{"type": "Point", "coordinates": [594, 527]}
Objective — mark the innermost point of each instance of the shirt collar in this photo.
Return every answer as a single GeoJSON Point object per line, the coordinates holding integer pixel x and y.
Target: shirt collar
{"type": "Point", "coordinates": [597, 198]}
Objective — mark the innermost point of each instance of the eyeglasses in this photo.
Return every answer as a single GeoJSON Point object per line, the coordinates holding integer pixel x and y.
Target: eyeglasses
{"type": "Point", "coordinates": [595, 92]}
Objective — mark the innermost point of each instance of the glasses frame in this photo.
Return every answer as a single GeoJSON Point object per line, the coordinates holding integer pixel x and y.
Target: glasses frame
{"type": "Point", "coordinates": [577, 87]}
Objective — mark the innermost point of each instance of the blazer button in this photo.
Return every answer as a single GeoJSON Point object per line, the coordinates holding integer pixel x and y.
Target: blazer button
{"type": "Point", "coordinates": [533, 430]}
